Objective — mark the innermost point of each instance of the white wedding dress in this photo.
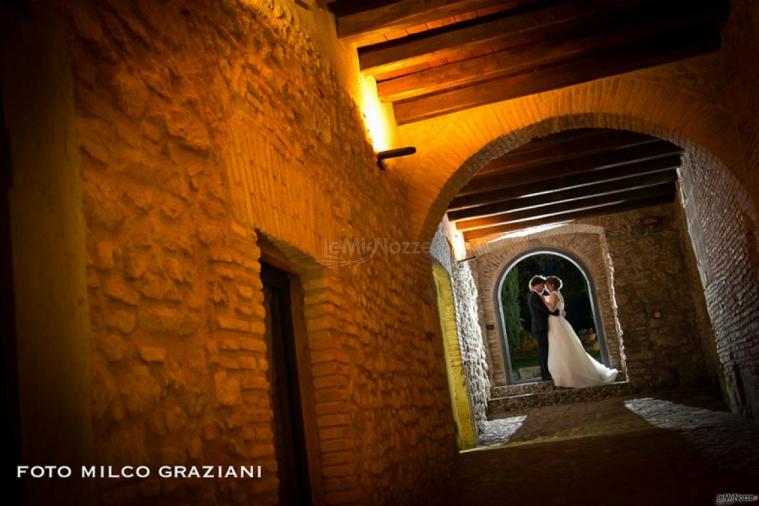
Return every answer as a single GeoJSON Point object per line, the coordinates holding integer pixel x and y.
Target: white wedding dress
{"type": "Point", "coordinates": [568, 362]}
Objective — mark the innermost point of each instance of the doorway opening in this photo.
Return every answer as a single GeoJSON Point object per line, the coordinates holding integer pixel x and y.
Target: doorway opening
{"type": "Point", "coordinates": [289, 425]}
{"type": "Point", "coordinates": [520, 347]}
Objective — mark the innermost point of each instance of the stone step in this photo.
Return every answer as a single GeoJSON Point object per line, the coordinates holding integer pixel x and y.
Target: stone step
{"type": "Point", "coordinates": [533, 387]}
{"type": "Point", "coordinates": [533, 395]}
{"type": "Point", "coordinates": [520, 388]}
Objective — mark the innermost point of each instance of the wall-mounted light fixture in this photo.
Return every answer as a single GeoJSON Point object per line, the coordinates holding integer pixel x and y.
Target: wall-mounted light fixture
{"type": "Point", "coordinates": [393, 153]}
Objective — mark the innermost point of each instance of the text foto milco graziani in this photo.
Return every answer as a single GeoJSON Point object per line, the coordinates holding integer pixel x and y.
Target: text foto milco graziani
{"type": "Point", "coordinates": [140, 472]}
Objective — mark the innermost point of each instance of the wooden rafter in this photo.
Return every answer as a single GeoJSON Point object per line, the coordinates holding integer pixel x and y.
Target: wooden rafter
{"type": "Point", "coordinates": [568, 216]}
{"type": "Point", "coordinates": [567, 207]}
{"type": "Point", "coordinates": [530, 57]}
{"type": "Point", "coordinates": [587, 145]}
{"type": "Point", "coordinates": [616, 188]}
{"type": "Point", "coordinates": [580, 165]}
{"type": "Point", "coordinates": [625, 172]}
{"type": "Point", "coordinates": [622, 172]}
{"type": "Point", "coordinates": [671, 47]}
{"type": "Point", "coordinates": [362, 20]}
{"type": "Point", "coordinates": [436, 57]}
{"type": "Point", "coordinates": [517, 27]}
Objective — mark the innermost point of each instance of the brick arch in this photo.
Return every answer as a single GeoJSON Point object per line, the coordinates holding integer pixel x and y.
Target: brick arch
{"type": "Point", "coordinates": [719, 211]}
{"type": "Point", "coordinates": [510, 140]}
{"type": "Point", "coordinates": [585, 245]}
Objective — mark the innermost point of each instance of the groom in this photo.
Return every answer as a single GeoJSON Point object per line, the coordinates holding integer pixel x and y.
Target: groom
{"type": "Point", "coordinates": [540, 314]}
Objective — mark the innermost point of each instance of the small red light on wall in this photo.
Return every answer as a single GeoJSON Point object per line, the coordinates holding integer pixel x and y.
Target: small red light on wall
{"type": "Point", "coordinates": [656, 314]}
{"type": "Point", "coordinates": [650, 221]}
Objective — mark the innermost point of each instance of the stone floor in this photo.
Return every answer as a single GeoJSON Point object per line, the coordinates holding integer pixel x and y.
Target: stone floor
{"type": "Point", "coordinates": [677, 448]}
{"type": "Point", "coordinates": [532, 395]}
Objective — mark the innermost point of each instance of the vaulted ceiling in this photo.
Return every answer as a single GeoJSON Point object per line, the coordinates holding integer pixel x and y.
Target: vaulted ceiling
{"type": "Point", "coordinates": [566, 176]}
{"type": "Point", "coordinates": [433, 57]}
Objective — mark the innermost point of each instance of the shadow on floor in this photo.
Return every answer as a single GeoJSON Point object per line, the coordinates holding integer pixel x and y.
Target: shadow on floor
{"type": "Point", "coordinates": [655, 450]}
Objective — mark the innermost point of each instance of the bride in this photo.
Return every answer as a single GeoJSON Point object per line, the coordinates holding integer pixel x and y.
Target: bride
{"type": "Point", "coordinates": [570, 365]}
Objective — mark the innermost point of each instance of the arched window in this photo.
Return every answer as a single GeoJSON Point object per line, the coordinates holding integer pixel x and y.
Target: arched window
{"type": "Point", "coordinates": [520, 348]}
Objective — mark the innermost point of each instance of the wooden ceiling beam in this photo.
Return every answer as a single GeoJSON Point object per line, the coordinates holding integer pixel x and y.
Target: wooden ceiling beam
{"type": "Point", "coordinates": [356, 21]}
{"type": "Point", "coordinates": [562, 142]}
{"type": "Point", "coordinates": [553, 141]}
{"type": "Point", "coordinates": [568, 217]}
{"type": "Point", "coordinates": [671, 47]}
{"type": "Point", "coordinates": [606, 140]}
{"type": "Point", "coordinates": [622, 172]}
{"type": "Point", "coordinates": [530, 57]}
{"type": "Point", "coordinates": [566, 207]}
{"type": "Point", "coordinates": [616, 188]}
{"type": "Point", "coordinates": [518, 27]}
{"type": "Point", "coordinates": [579, 165]}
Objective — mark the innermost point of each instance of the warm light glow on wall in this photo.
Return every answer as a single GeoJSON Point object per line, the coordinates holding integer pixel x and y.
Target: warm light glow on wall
{"type": "Point", "coordinates": [458, 245]}
{"type": "Point", "coordinates": [377, 116]}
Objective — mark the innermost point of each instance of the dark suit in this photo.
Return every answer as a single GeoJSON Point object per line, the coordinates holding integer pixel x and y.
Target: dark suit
{"type": "Point", "coordinates": [540, 314]}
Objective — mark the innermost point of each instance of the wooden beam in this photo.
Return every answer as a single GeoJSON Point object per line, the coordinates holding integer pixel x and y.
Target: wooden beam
{"type": "Point", "coordinates": [675, 46]}
{"type": "Point", "coordinates": [616, 187]}
{"type": "Point", "coordinates": [622, 172]}
{"type": "Point", "coordinates": [566, 207]}
{"type": "Point", "coordinates": [568, 217]}
{"type": "Point", "coordinates": [558, 142]}
{"type": "Point", "coordinates": [554, 140]}
{"type": "Point", "coordinates": [510, 28]}
{"type": "Point", "coordinates": [530, 57]}
{"type": "Point", "coordinates": [356, 21]}
{"type": "Point", "coordinates": [583, 164]}
{"type": "Point", "coordinates": [605, 140]}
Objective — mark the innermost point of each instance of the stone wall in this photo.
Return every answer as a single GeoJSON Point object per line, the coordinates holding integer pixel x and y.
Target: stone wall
{"type": "Point", "coordinates": [471, 342]}
{"type": "Point", "coordinates": [651, 275]}
{"type": "Point", "coordinates": [585, 243]}
{"type": "Point", "coordinates": [203, 127]}
{"type": "Point", "coordinates": [703, 321]}
{"type": "Point", "coordinates": [637, 270]}
{"type": "Point", "coordinates": [722, 227]}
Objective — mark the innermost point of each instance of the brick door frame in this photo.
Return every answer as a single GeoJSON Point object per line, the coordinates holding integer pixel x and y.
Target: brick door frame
{"type": "Point", "coordinates": [272, 253]}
